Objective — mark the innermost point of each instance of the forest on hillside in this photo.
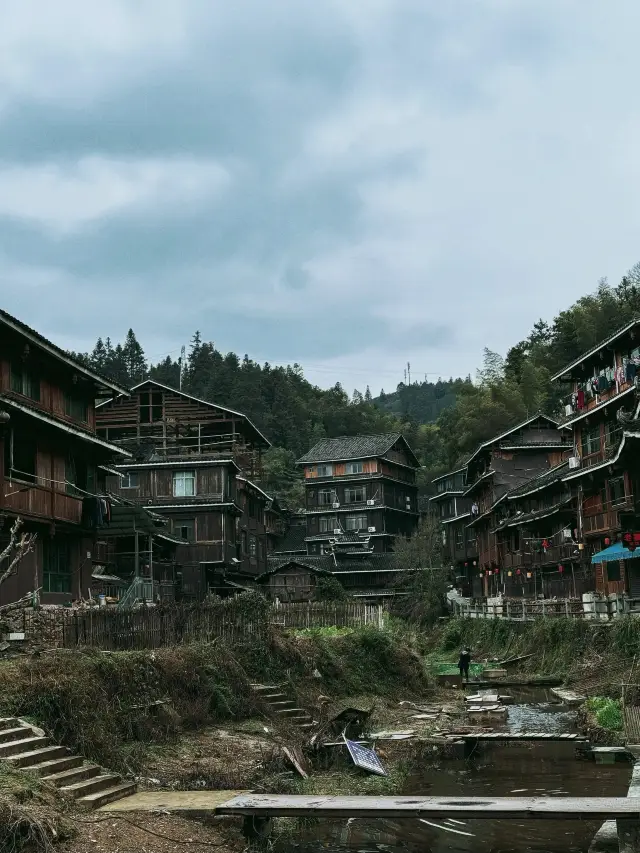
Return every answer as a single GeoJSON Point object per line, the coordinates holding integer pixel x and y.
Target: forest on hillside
{"type": "Point", "coordinates": [443, 421]}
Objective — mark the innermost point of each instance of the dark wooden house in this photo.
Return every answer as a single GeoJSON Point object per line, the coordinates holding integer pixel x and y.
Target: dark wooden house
{"type": "Point", "coordinates": [51, 461]}
{"type": "Point", "coordinates": [503, 463]}
{"type": "Point", "coordinates": [601, 408]}
{"type": "Point", "coordinates": [360, 484]}
{"type": "Point", "coordinates": [193, 463]}
{"type": "Point", "coordinates": [450, 506]}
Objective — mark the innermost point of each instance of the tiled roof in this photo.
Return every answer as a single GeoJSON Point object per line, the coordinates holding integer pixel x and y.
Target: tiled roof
{"type": "Point", "coordinates": [293, 541]}
{"type": "Point", "coordinates": [40, 340]}
{"type": "Point", "coordinates": [326, 564]}
{"type": "Point", "coordinates": [323, 564]}
{"type": "Point", "coordinates": [529, 517]}
{"type": "Point", "coordinates": [540, 482]}
{"type": "Point", "coordinates": [355, 447]}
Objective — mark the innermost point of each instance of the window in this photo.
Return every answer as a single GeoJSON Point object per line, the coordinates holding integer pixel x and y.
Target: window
{"type": "Point", "coordinates": [21, 457]}
{"type": "Point", "coordinates": [590, 441]}
{"type": "Point", "coordinates": [356, 522]}
{"type": "Point", "coordinates": [616, 491]}
{"type": "Point", "coordinates": [326, 497]}
{"type": "Point", "coordinates": [355, 495]}
{"type": "Point", "coordinates": [76, 408]}
{"type": "Point", "coordinates": [324, 471]}
{"type": "Point", "coordinates": [613, 570]}
{"type": "Point", "coordinates": [150, 407]}
{"type": "Point", "coordinates": [25, 382]}
{"type": "Point", "coordinates": [328, 524]}
{"type": "Point", "coordinates": [459, 537]}
{"type": "Point", "coordinates": [80, 477]}
{"type": "Point", "coordinates": [253, 546]}
{"type": "Point", "coordinates": [354, 467]}
{"type": "Point", "coordinates": [130, 480]}
{"type": "Point", "coordinates": [186, 528]}
{"type": "Point", "coordinates": [56, 576]}
{"type": "Point", "coordinates": [184, 484]}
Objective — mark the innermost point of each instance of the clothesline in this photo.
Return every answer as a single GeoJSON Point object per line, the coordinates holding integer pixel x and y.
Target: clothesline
{"type": "Point", "coordinates": [50, 480]}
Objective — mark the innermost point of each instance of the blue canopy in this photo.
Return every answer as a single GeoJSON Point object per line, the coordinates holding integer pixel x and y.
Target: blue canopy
{"type": "Point", "coordinates": [617, 551]}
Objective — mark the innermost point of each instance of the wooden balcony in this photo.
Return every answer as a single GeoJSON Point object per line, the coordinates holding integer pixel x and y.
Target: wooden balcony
{"type": "Point", "coordinates": [32, 501]}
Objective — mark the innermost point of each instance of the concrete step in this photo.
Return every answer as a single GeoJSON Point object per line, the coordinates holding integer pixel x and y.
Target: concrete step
{"type": "Point", "coordinates": [277, 706]}
{"type": "Point", "coordinates": [291, 712]}
{"type": "Point", "coordinates": [73, 775]}
{"type": "Point", "coordinates": [9, 722]}
{"type": "Point", "coordinates": [17, 733]}
{"type": "Point", "coordinates": [273, 697]}
{"type": "Point", "coordinates": [24, 744]}
{"type": "Point", "coordinates": [266, 688]}
{"type": "Point", "coordinates": [36, 756]}
{"type": "Point", "coordinates": [95, 785]}
{"type": "Point", "coordinates": [57, 765]}
{"type": "Point", "coordinates": [306, 726]}
{"type": "Point", "coordinates": [102, 798]}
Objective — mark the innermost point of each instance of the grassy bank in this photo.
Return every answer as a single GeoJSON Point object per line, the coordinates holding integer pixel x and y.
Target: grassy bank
{"type": "Point", "coordinates": [579, 651]}
{"type": "Point", "coordinates": [101, 704]}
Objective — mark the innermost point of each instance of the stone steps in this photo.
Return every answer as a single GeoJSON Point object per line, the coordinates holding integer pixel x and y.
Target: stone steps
{"type": "Point", "coordinates": [87, 783]}
{"type": "Point", "coordinates": [283, 706]}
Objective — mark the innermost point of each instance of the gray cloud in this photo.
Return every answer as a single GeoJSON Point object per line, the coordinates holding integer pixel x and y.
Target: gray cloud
{"type": "Point", "coordinates": [346, 185]}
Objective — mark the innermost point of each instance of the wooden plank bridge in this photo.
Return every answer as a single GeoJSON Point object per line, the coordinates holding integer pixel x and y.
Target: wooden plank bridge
{"type": "Point", "coordinates": [257, 810]}
{"type": "Point", "coordinates": [519, 736]}
{"type": "Point", "coordinates": [519, 808]}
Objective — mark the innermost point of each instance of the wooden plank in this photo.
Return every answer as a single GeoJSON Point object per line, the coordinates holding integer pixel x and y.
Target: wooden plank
{"type": "Point", "coordinates": [520, 808]}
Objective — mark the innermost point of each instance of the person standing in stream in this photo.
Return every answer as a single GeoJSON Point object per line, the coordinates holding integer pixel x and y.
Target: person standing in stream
{"type": "Point", "coordinates": [463, 664]}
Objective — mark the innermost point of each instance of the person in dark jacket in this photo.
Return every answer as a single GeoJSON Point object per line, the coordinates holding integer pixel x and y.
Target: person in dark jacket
{"type": "Point", "coordinates": [463, 664]}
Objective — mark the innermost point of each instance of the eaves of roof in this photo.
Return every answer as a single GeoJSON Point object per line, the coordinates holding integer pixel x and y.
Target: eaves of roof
{"type": "Point", "coordinates": [591, 468]}
{"type": "Point", "coordinates": [487, 512]}
{"type": "Point", "coordinates": [253, 486]}
{"type": "Point", "coordinates": [485, 476]}
{"type": "Point", "coordinates": [456, 518]}
{"type": "Point", "coordinates": [537, 484]}
{"type": "Point", "coordinates": [54, 422]}
{"type": "Point", "coordinates": [449, 474]}
{"type": "Point", "coordinates": [49, 347]}
{"type": "Point", "coordinates": [585, 355]}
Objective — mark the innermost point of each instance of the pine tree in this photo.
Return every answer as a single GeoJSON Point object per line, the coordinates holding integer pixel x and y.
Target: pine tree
{"type": "Point", "coordinates": [367, 395]}
{"type": "Point", "coordinates": [98, 357]}
{"type": "Point", "coordinates": [134, 361]}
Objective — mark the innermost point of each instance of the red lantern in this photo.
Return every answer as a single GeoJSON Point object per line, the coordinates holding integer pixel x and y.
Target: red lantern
{"type": "Point", "coordinates": [496, 571]}
{"type": "Point", "coordinates": [561, 569]}
{"type": "Point", "coordinates": [518, 571]}
{"type": "Point", "coordinates": [607, 541]}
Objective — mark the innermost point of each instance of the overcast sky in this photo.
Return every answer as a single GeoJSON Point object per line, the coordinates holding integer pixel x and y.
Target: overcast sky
{"type": "Point", "coordinates": [350, 184]}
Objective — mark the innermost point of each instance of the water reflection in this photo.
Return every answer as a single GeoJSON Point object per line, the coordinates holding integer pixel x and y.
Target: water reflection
{"type": "Point", "coordinates": [509, 769]}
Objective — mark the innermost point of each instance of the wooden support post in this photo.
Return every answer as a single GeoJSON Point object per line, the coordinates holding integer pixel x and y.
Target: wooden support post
{"type": "Point", "coordinates": [151, 565]}
{"type": "Point", "coordinates": [628, 835]}
{"type": "Point", "coordinates": [136, 557]}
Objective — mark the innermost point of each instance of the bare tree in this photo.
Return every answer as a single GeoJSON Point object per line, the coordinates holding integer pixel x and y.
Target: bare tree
{"type": "Point", "coordinates": [20, 544]}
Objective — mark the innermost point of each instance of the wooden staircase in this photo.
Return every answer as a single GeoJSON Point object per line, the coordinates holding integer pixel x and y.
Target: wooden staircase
{"type": "Point", "coordinates": [87, 783]}
{"type": "Point", "coordinates": [283, 706]}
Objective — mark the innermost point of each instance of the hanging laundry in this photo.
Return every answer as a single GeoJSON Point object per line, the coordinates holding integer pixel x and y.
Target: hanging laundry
{"type": "Point", "coordinates": [602, 383]}
{"type": "Point", "coordinates": [631, 371]}
{"type": "Point", "coordinates": [580, 399]}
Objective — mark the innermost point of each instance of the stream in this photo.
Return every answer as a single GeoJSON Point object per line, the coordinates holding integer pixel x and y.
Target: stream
{"type": "Point", "coordinates": [535, 769]}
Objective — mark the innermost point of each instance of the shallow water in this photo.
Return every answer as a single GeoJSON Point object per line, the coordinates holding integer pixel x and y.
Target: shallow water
{"type": "Point", "coordinates": [509, 769]}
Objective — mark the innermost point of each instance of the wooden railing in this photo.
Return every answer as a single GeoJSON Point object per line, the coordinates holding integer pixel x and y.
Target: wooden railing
{"type": "Point", "coordinates": [524, 609]}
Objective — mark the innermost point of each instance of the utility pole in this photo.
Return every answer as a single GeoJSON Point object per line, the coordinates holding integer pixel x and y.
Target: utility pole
{"type": "Point", "coordinates": [409, 372]}
{"type": "Point", "coordinates": [405, 376]}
